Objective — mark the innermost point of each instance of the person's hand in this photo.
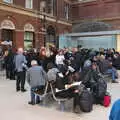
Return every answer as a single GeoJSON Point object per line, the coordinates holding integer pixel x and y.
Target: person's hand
{"type": "Point", "coordinates": [67, 86]}
{"type": "Point", "coordinates": [76, 91]}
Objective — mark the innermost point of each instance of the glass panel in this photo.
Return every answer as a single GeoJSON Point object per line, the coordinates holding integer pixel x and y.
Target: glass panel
{"type": "Point", "coordinates": [8, 1]}
{"type": "Point", "coordinates": [28, 40]}
{"type": "Point", "coordinates": [28, 36]}
{"type": "Point", "coordinates": [27, 45]}
{"type": "Point", "coordinates": [29, 4]}
{"type": "Point", "coordinates": [66, 10]}
{"type": "Point", "coordinates": [96, 42]}
{"type": "Point", "coordinates": [50, 6]}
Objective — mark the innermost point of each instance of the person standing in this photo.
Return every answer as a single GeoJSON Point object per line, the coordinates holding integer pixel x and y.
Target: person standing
{"type": "Point", "coordinates": [20, 66]}
{"type": "Point", "coordinates": [59, 60]}
{"type": "Point", "coordinates": [36, 78]}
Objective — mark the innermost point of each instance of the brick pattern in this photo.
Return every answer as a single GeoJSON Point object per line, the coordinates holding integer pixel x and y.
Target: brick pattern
{"type": "Point", "coordinates": [20, 20]}
{"type": "Point", "coordinates": [102, 10]}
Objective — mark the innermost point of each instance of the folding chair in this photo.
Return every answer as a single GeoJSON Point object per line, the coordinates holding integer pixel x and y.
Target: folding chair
{"type": "Point", "coordinates": [42, 95]}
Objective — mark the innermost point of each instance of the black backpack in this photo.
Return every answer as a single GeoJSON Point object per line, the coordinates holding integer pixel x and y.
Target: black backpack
{"type": "Point", "coordinates": [86, 100]}
{"type": "Point", "coordinates": [59, 82]}
{"type": "Point", "coordinates": [100, 89]}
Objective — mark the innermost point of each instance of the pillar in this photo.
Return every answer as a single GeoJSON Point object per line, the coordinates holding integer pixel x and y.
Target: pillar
{"type": "Point", "coordinates": [39, 39]}
{"type": "Point", "coordinates": [19, 39]}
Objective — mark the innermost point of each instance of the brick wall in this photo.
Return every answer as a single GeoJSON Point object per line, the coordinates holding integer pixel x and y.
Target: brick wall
{"type": "Point", "coordinates": [20, 21]}
{"type": "Point", "coordinates": [101, 10]}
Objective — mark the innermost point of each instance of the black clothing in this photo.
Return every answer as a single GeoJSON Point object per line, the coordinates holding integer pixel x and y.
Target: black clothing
{"type": "Point", "coordinates": [20, 79]}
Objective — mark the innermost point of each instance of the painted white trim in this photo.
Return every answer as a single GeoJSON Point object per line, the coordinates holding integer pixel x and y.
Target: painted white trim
{"type": "Point", "coordinates": [29, 27]}
{"type": "Point", "coordinates": [65, 23]}
{"type": "Point", "coordinates": [7, 24]}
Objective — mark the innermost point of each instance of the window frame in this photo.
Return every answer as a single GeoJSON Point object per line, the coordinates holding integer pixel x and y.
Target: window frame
{"type": "Point", "coordinates": [50, 8]}
{"type": "Point", "coordinates": [30, 5]}
{"type": "Point", "coordinates": [66, 10]}
{"type": "Point", "coordinates": [8, 1]}
{"type": "Point", "coordinates": [29, 38]}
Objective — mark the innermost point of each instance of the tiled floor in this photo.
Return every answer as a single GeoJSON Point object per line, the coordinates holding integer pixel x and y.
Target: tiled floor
{"type": "Point", "coordinates": [13, 105]}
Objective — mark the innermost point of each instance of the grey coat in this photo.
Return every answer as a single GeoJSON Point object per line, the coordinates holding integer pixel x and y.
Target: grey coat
{"type": "Point", "coordinates": [51, 74]}
{"type": "Point", "coordinates": [36, 76]}
{"type": "Point", "coordinates": [19, 60]}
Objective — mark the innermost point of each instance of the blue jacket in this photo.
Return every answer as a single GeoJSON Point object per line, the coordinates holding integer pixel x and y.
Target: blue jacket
{"type": "Point", "coordinates": [115, 111]}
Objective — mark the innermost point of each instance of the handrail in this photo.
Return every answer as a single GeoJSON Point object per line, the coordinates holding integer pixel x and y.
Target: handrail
{"type": "Point", "coordinates": [55, 98]}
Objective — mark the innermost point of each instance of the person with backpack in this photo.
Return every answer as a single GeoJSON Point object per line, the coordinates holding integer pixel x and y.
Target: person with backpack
{"type": "Point", "coordinates": [52, 72]}
{"type": "Point", "coordinates": [96, 83]}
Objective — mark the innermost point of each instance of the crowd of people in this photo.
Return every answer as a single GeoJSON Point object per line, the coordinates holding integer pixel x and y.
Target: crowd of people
{"type": "Point", "coordinates": [72, 72]}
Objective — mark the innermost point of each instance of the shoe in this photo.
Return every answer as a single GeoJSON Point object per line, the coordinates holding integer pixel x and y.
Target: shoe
{"type": "Point", "coordinates": [76, 109]}
{"type": "Point", "coordinates": [114, 81]}
{"type": "Point", "coordinates": [31, 103]}
{"type": "Point", "coordinates": [38, 102]}
{"type": "Point", "coordinates": [17, 90]}
{"type": "Point", "coordinates": [23, 90]}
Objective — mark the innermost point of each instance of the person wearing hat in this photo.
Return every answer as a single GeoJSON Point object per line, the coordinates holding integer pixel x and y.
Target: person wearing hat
{"type": "Point", "coordinates": [36, 78]}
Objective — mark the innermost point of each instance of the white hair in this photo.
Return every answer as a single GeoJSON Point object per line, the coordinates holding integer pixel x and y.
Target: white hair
{"type": "Point", "coordinates": [34, 62]}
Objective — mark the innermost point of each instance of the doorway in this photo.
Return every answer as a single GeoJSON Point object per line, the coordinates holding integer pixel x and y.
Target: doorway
{"type": "Point", "coordinates": [7, 35]}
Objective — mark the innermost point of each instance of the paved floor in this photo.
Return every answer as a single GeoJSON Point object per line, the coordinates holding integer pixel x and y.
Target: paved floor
{"type": "Point", "coordinates": [13, 106]}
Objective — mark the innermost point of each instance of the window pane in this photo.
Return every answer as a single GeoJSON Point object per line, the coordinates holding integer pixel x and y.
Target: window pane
{"type": "Point", "coordinates": [28, 36]}
{"type": "Point", "coordinates": [28, 40]}
{"type": "Point", "coordinates": [66, 11]}
{"type": "Point", "coordinates": [29, 4]}
{"type": "Point", "coordinates": [8, 1]}
{"type": "Point", "coordinates": [27, 45]}
{"type": "Point", "coordinates": [50, 6]}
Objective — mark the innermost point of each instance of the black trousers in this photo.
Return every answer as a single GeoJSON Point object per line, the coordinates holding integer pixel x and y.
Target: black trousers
{"type": "Point", "coordinates": [20, 82]}
{"type": "Point", "coordinates": [69, 93]}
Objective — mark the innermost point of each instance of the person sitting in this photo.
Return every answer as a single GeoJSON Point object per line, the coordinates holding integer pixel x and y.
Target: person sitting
{"type": "Point", "coordinates": [116, 61]}
{"type": "Point", "coordinates": [115, 111]}
{"type": "Point", "coordinates": [36, 78]}
{"type": "Point", "coordinates": [65, 88]}
{"type": "Point", "coordinates": [52, 71]}
{"type": "Point", "coordinates": [106, 67]}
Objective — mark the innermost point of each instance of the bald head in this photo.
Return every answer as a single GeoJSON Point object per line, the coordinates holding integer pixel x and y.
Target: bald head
{"type": "Point", "coordinates": [20, 50]}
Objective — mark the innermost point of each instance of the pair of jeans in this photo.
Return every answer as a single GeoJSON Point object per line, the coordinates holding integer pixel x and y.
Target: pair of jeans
{"type": "Point", "coordinates": [32, 93]}
{"type": "Point", "coordinates": [112, 72]}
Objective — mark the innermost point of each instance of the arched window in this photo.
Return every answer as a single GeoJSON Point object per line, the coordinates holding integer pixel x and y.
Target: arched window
{"type": "Point", "coordinates": [7, 24]}
{"type": "Point", "coordinates": [7, 30]}
{"type": "Point", "coordinates": [51, 35]}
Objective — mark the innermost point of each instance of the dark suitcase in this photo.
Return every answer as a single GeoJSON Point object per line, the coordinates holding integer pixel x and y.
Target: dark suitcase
{"type": "Point", "coordinates": [86, 101]}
